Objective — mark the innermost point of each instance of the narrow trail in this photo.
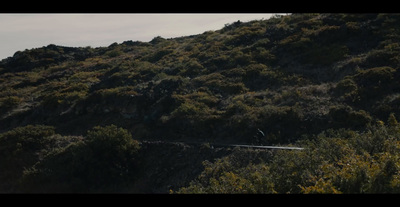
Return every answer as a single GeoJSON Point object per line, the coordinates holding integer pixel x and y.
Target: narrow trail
{"type": "Point", "coordinates": [227, 145]}
{"type": "Point", "coordinates": [269, 147]}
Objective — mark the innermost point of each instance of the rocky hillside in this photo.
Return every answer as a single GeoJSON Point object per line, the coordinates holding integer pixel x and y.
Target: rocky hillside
{"type": "Point", "coordinates": [287, 76]}
{"type": "Point", "coordinates": [266, 82]}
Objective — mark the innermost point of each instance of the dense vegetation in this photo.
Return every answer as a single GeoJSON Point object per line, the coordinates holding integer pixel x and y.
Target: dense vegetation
{"type": "Point", "coordinates": [108, 119]}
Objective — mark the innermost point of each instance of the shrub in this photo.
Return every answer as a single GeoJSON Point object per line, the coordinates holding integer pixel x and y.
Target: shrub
{"type": "Point", "coordinates": [335, 161]}
{"type": "Point", "coordinates": [20, 148]}
{"type": "Point", "coordinates": [103, 162]}
{"type": "Point", "coordinates": [259, 76]}
{"type": "Point", "coordinates": [111, 142]}
{"type": "Point", "coordinates": [159, 54]}
{"type": "Point", "coordinates": [325, 55]}
{"type": "Point", "coordinates": [114, 53]}
{"type": "Point", "coordinates": [381, 58]}
{"type": "Point", "coordinates": [191, 69]}
{"type": "Point", "coordinates": [261, 55]}
{"type": "Point", "coordinates": [375, 77]}
{"type": "Point", "coordinates": [374, 82]}
{"type": "Point", "coordinates": [9, 102]}
{"type": "Point", "coordinates": [347, 89]}
{"type": "Point", "coordinates": [344, 116]}
{"type": "Point", "coordinates": [232, 174]}
{"type": "Point", "coordinates": [392, 122]}
{"type": "Point", "coordinates": [30, 138]}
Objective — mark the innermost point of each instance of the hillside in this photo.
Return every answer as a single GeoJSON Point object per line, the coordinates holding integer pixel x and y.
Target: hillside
{"type": "Point", "coordinates": [299, 79]}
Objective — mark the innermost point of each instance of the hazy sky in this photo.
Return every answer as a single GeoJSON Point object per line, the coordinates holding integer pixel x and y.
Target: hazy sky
{"type": "Point", "coordinates": [26, 31]}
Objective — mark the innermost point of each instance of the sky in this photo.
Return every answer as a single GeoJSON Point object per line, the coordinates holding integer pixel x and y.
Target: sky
{"type": "Point", "coordinates": [26, 31]}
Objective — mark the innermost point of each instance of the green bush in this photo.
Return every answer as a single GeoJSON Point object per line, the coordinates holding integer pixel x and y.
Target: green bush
{"type": "Point", "coordinates": [324, 54]}
{"type": "Point", "coordinates": [347, 89]}
{"type": "Point", "coordinates": [382, 57]}
{"type": "Point", "coordinates": [392, 121]}
{"type": "Point", "coordinates": [114, 53]}
{"type": "Point", "coordinates": [20, 148]}
{"type": "Point", "coordinates": [159, 54]}
{"type": "Point", "coordinates": [191, 69]}
{"type": "Point", "coordinates": [375, 77]}
{"type": "Point", "coordinates": [105, 161]}
{"type": "Point", "coordinates": [9, 102]}
{"type": "Point", "coordinates": [264, 56]}
{"type": "Point", "coordinates": [335, 161]}
{"type": "Point", "coordinates": [28, 138]}
{"type": "Point", "coordinates": [346, 117]}
{"type": "Point", "coordinates": [232, 174]}
{"type": "Point", "coordinates": [373, 83]}
{"type": "Point", "coordinates": [111, 141]}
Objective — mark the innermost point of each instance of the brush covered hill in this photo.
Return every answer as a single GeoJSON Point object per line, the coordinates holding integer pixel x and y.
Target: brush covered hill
{"type": "Point", "coordinates": [277, 81]}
